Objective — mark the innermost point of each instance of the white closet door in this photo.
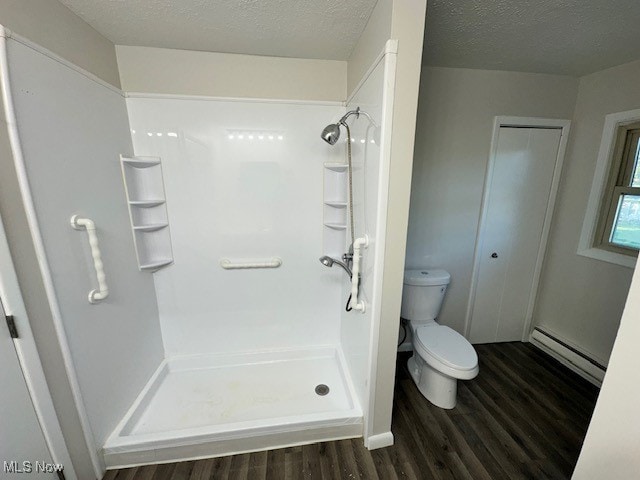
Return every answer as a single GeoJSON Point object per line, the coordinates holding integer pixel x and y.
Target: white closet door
{"type": "Point", "coordinates": [21, 438]}
{"type": "Point", "coordinates": [517, 199]}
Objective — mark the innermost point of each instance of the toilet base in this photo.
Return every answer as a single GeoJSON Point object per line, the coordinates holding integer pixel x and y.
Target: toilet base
{"type": "Point", "coordinates": [439, 389]}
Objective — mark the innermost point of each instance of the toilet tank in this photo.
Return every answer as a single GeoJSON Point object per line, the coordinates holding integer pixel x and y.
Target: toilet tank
{"type": "Point", "coordinates": [423, 293]}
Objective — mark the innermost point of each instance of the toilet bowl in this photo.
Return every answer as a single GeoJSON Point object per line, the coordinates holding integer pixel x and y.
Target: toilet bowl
{"type": "Point", "coordinates": [441, 356]}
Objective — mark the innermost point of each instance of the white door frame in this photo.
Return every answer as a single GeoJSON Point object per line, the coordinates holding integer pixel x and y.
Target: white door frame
{"type": "Point", "coordinates": [523, 122]}
{"type": "Point", "coordinates": [29, 360]}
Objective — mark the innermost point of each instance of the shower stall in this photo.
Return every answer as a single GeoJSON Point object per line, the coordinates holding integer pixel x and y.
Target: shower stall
{"type": "Point", "coordinates": [212, 328]}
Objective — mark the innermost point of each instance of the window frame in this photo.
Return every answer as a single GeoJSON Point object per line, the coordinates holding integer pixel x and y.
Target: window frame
{"type": "Point", "coordinates": [586, 243]}
{"type": "Point", "coordinates": [621, 169]}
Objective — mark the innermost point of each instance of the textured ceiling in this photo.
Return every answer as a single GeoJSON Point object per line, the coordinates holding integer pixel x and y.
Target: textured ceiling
{"type": "Point", "coordinates": [572, 37]}
{"type": "Point", "coordinates": [325, 29]}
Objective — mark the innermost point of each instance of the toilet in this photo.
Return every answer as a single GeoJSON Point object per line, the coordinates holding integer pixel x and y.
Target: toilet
{"type": "Point", "coordinates": [441, 356]}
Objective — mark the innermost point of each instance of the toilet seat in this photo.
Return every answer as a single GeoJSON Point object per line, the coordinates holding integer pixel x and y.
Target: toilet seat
{"type": "Point", "coordinates": [447, 351]}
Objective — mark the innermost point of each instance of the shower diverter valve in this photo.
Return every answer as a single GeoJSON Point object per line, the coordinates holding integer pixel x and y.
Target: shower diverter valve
{"type": "Point", "coordinates": [358, 245]}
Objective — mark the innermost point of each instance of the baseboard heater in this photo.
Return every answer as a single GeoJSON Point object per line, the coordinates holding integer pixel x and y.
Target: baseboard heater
{"type": "Point", "coordinates": [568, 355]}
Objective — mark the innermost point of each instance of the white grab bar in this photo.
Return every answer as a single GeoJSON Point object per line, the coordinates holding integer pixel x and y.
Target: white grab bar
{"type": "Point", "coordinates": [78, 223]}
{"type": "Point", "coordinates": [359, 243]}
{"type": "Point", "coordinates": [227, 264]}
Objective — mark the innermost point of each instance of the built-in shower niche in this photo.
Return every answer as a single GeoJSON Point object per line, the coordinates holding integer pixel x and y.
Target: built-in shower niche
{"type": "Point", "coordinates": [335, 218]}
{"type": "Point", "coordinates": [146, 200]}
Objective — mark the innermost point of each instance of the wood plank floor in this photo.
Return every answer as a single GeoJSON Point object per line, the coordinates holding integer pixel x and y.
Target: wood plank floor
{"type": "Point", "coordinates": [524, 416]}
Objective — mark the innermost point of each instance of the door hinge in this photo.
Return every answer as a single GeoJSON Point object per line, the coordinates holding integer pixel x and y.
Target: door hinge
{"type": "Point", "coordinates": [11, 323]}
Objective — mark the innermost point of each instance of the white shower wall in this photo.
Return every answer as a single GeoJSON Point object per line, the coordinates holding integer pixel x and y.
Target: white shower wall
{"type": "Point", "coordinates": [370, 141]}
{"type": "Point", "coordinates": [72, 129]}
{"type": "Point", "coordinates": [243, 182]}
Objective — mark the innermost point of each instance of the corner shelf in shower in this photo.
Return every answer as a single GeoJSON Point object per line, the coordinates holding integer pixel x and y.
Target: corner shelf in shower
{"type": "Point", "coordinates": [146, 200]}
{"type": "Point", "coordinates": [336, 226]}
{"type": "Point", "coordinates": [335, 209]}
{"type": "Point", "coordinates": [156, 265]}
{"type": "Point", "coordinates": [336, 204]}
{"type": "Point", "coordinates": [146, 203]}
{"type": "Point", "coordinates": [150, 227]}
{"type": "Point", "coordinates": [141, 162]}
{"type": "Point", "coordinates": [336, 167]}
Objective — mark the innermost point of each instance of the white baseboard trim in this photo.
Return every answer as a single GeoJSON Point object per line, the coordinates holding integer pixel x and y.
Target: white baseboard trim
{"type": "Point", "coordinates": [571, 358]}
{"type": "Point", "coordinates": [379, 441]}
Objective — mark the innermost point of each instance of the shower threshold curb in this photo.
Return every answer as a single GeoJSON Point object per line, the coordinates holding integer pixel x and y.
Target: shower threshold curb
{"type": "Point", "coordinates": [194, 449]}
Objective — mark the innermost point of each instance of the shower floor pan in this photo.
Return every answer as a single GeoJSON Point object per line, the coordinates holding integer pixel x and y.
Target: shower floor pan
{"type": "Point", "coordinates": [212, 405]}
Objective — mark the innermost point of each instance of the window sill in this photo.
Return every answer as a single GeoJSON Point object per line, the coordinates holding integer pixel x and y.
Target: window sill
{"type": "Point", "coordinates": [610, 257]}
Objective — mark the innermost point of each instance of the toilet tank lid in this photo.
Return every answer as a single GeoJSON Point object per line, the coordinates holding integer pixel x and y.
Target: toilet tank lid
{"type": "Point", "coordinates": [427, 277]}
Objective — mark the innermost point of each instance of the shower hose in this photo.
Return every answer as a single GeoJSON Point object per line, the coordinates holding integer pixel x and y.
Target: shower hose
{"type": "Point", "coordinates": [350, 181]}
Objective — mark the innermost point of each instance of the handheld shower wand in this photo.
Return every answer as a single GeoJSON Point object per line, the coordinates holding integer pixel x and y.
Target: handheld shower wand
{"type": "Point", "coordinates": [328, 262]}
{"type": "Point", "coordinates": [355, 282]}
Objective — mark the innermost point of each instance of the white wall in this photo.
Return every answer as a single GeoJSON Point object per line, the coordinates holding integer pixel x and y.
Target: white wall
{"type": "Point", "coordinates": [245, 200]}
{"type": "Point", "coordinates": [612, 443]}
{"type": "Point", "coordinates": [72, 130]}
{"type": "Point", "coordinates": [453, 137]}
{"type": "Point", "coordinates": [581, 299]}
{"type": "Point", "coordinates": [162, 70]}
{"type": "Point", "coordinates": [55, 27]}
{"type": "Point", "coordinates": [371, 43]}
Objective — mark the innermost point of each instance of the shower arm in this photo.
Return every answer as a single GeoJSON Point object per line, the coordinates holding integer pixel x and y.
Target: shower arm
{"type": "Point", "coordinates": [357, 112]}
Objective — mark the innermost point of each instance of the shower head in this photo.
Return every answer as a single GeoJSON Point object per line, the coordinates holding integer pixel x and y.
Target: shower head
{"type": "Point", "coordinates": [331, 133]}
{"type": "Point", "coordinates": [328, 262]}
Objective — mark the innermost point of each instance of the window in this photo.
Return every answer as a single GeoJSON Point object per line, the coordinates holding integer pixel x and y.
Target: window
{"type": "Point", "coordinates": [618, 227]}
